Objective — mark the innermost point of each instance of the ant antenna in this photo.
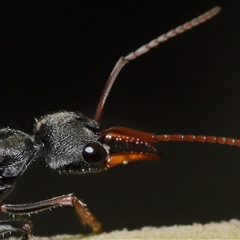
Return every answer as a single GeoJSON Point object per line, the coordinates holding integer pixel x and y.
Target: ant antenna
{"type": "Point", "coordinates": [145, 48]}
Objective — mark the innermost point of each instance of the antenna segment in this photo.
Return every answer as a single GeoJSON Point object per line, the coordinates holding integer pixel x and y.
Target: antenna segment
{"type": "Point", "coordinates": [145, 48]}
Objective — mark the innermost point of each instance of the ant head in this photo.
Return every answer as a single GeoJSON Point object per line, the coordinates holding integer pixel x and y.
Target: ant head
{"type": "Point", "coordinates": [71, 142]}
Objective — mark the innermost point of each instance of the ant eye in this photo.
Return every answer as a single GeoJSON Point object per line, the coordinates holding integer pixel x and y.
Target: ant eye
{"type": "Point", "coordinates": [94, 154]}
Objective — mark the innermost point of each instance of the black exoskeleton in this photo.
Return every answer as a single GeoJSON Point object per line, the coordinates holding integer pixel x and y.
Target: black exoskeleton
{"type": "Point", "coordinates": [17, 151]}
{"type": "Point", "coordinates": [69, 142]}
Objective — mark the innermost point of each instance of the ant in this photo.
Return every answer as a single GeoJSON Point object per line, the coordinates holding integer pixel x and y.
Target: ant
{"type": "Point", "coordinates": [71, 142]}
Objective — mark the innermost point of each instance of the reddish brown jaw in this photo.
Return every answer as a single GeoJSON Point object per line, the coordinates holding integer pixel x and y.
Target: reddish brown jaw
{"type": "Point", "coordinates": [124, 158]}
{"type": "Point", "coordinates": [129, 136]}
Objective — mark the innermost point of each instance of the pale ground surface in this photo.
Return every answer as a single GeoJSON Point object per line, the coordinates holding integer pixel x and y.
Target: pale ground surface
{"type": "Point", "coordinates": [223, 230]}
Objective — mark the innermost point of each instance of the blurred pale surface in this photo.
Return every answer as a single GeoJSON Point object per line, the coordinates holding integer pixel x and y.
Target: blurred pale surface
{"type": "Point", "coordinates": [223, 230]}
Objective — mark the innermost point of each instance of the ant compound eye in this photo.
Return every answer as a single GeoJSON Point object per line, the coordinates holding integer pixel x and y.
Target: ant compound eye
{"type": "Point", "coordinates": [94, 154]}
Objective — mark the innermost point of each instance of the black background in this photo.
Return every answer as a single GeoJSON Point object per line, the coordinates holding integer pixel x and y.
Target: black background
{"type": "Point", "coordinates": [57, 55]}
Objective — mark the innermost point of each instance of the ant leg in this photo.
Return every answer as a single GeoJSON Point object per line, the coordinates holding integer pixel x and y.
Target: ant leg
{"type": "Point", "coordinates": [13, 226]}
{"type": "Point", "coordinates": [65, 200]}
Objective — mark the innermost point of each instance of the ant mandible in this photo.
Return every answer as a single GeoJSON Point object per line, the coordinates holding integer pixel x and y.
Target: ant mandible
{"type": "Point", "coordinates": [71, 142]}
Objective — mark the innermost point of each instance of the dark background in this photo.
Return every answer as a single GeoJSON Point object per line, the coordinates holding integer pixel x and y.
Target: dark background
{"type": "Point", "coordinates": [57, 55]}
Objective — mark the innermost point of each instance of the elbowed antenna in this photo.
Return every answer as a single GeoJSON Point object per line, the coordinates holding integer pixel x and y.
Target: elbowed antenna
{"type": "Point", "coordinates": [145, 48]}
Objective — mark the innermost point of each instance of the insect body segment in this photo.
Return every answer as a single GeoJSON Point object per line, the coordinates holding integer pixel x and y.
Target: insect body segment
{"type": "Point", "coordinates": [17, 151]}
{"type": "Point", "coordinates": [73, 143]}
{"type": "Point", "coordinates": [69, 141]}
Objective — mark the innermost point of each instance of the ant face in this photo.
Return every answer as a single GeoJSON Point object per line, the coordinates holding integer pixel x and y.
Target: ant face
{"type": "Point", "coordinates": [71, 142]}
{"type": "Point", "coordinates": [74, 143]}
